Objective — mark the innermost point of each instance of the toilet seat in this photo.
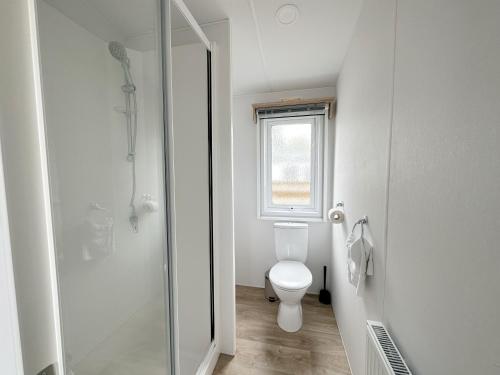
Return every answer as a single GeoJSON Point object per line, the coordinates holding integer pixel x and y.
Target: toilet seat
{"type": "Point", "coordinates": [290, 275]}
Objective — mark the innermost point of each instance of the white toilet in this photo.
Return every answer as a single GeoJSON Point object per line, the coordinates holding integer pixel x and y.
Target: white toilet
{"type": "Point", "coordinates": [289, 277]}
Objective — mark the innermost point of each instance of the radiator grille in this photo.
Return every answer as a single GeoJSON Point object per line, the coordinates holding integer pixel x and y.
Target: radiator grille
{"type": "Point", "coordinates": [383, 357]}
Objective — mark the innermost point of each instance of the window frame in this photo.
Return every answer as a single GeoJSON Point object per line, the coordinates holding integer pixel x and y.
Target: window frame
{"type": "Point", "coordinates": [316, 211]}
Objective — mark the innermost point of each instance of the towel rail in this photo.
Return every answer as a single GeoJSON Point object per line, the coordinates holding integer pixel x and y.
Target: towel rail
{"type": "Point", "coordinates": [362, 221]}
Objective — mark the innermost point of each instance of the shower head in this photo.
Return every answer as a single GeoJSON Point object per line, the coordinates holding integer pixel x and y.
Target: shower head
{"type": "Point", "coordinates": [118, 51]}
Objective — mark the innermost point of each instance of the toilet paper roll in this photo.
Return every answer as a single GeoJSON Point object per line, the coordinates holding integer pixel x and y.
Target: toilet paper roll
{"type": "Point", "coordinates": [336, 215]}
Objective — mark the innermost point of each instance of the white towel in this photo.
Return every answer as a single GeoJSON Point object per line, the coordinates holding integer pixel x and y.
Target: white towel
{"type": "Point", "coordinates": [359, 260]}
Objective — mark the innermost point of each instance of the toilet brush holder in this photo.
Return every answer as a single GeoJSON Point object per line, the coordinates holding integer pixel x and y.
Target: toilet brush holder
{"type": "Point", "coordinates": [324, 295]}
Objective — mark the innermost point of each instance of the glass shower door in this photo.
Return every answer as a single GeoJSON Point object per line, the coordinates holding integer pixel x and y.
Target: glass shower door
{"type": "Point", "coordinates": [191, 123]}
{"type": "Point", "coordinates": [102, 90]}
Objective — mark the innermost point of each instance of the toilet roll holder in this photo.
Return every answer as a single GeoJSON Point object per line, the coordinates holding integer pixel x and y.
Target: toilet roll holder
{"type": "Point", "coordinates": [336, 214]}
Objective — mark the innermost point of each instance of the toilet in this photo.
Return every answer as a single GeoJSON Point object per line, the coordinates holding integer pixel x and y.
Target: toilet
{"type": "Point", "coordinates": [290, 277]}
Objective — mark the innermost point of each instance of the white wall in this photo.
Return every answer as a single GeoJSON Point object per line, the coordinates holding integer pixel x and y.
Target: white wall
{"type": "Point", "coordinates": [24, 188]}
{"type": "Point", "coordinates": [254, 238]}
{"type": "Point", "coordinates": [360, 174]}
{"type": "Point", "coordinates": [87, 148]}
{"type": "Point", "coordinates": [441, 280]}
{"type": "Point", "coordinates": [445, 177]}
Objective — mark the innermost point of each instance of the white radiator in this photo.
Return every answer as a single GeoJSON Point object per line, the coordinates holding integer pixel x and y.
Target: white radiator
{"type": "Point", "coordinates": [382, 356]}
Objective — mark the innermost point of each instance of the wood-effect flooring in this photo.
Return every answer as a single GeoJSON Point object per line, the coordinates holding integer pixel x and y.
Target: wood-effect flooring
{"type": "Point", "coordinates": [262, 348]}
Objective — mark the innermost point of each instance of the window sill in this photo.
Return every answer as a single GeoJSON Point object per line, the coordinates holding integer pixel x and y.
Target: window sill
{"type": "Point", "coordinates": [293, 218]}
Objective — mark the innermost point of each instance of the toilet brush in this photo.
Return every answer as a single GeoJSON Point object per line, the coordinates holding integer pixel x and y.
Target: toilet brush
{"type": "Point", "coordinates": [324, 295]}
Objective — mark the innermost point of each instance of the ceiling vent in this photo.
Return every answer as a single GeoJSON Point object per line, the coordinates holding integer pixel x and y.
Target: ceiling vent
{"type": "Point", "coordinates": [287, 14]}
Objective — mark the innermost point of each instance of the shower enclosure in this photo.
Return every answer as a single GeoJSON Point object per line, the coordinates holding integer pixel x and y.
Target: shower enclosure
{"type": "Point", "coordinates": [133, 248]}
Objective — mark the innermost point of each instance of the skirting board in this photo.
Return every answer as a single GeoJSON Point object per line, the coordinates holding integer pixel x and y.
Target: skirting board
{"type": "Point", "coordinates": [343, 343]}
{"type": "Point", "coordinates": [208, 365]}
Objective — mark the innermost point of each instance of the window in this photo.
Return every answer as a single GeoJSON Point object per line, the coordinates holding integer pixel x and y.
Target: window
{"type": "Point", "coordinates": [291, 167]}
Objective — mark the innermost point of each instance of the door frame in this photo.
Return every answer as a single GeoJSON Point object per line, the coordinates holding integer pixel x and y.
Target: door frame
{"type": "Point", "coordinates": [210, 360]}
{"type": "Point", "coordinates": [10, 341]}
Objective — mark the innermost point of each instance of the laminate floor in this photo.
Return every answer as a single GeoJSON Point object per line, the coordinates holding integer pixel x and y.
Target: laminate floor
{"type": "Point", "coordinates": [262, 348]}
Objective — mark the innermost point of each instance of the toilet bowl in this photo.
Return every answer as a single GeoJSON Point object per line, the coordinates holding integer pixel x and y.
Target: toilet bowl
{"type": "Point", "coordinates": [289, 277]}
{"type": "Point", "coordinates": [290, 281]}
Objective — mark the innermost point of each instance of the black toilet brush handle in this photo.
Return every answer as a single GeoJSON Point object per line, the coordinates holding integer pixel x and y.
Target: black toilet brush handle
{"type": "Point", "coordinates": [324, 277]}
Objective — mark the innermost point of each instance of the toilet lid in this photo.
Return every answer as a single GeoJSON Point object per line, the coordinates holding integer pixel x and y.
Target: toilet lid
{"type": "Point", "coordinates": [290, 275]}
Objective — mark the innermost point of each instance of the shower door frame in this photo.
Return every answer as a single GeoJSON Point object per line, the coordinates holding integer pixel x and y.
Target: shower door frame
{"type": "Point", "coordinates": [59, 365]}
{"type": "Point", "coordinates": [212, 355]}
{"type": "Point", "coordinates": [163, 33]}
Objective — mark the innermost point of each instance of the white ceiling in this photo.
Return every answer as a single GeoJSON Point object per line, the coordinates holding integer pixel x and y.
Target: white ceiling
{"type": "Point", "coordinates": [111, 19]}
{"type": "Point", "coordinates": [266, 56]}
